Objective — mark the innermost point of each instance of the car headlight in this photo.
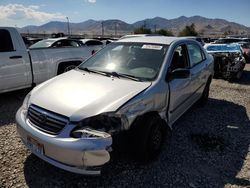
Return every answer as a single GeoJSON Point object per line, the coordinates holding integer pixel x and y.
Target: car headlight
{"type": "Point", "coordinates": [107, 122]}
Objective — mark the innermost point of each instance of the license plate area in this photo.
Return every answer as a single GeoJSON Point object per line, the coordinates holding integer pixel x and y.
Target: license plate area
{"type": "Point", "coordinates": [34, 145]}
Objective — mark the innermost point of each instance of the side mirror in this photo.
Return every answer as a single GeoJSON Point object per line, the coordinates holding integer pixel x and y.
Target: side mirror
{"type": "Point", "coordinates": [178, 74]}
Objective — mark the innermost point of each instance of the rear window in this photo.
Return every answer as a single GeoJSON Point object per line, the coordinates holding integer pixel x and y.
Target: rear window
{"type": "Point", "coordinates": [6, 44]}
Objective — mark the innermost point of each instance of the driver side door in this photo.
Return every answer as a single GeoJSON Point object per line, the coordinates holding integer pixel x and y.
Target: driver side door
{"type": "Point", "coordinates": [180, 91]}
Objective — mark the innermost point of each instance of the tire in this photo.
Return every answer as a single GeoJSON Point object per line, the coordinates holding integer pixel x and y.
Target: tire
{"type": "Point", "coordinates": [148, 136]}
{"type": "Point", "coordinates": [238, 75]}
{"type": "Point", "coordinates": [205, 94]}
{"type": "Point", "coordinates": [68, 68]}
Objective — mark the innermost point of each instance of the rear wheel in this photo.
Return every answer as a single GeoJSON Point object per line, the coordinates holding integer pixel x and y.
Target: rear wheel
{"type": "Point", "coordinates": [69, 67]}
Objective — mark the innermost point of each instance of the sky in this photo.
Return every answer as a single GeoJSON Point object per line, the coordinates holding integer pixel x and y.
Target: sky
{"type": "Point", "coordinates": [19, 13]}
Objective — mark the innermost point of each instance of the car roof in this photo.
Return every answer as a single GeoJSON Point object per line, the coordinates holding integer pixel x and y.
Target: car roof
{"type": "Point", "coordinates": [151, 39]}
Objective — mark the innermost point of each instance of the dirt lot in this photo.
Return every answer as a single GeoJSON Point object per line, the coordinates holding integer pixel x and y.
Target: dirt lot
{"type": "Point", "coordinates": [209, 148]}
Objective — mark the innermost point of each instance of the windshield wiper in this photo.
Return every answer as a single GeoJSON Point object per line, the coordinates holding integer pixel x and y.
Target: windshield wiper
{"type": "Point", "coordinates": [95, 71]}
{"type": "Point", "coordinates": [115, 74]}
{"type": "Point", "coordinates": [131, 77]}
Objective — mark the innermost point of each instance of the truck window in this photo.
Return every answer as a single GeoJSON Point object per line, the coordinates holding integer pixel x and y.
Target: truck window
{"type": "Point", "coordinates": [5, 41]}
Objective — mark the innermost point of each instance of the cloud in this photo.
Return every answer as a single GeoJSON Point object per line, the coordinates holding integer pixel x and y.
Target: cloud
{"type": "Point", "coordinates": [91, 1]}
{"type": "Point", "coordinates": [32, 13]}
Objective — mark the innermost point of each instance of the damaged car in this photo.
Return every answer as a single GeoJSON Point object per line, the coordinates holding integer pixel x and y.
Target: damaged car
{"type": "Point", "coordinates": [140, 86]}
{"type": "Point", "coordinates": [229, 61]}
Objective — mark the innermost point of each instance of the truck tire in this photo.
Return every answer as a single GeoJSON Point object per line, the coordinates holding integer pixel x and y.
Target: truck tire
{"type": "Point", "coordinates": [67, 66]}
{"type": "Point", "coordinates": [148, 135]}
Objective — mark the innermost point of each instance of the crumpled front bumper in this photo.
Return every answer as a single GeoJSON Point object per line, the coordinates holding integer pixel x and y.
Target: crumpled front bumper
{"type": "Point", "coordinates": [83, 155]}
{"type": "Point", "coordinates": [236, 67]}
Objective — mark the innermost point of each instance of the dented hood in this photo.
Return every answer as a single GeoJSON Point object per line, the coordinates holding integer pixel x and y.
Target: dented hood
{"type": "Point", "coordinates": [78, 94]}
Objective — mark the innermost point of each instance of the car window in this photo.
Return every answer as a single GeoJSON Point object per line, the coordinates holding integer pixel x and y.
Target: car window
{"type": "Point", "coordinates": [92, 43]}
{"type": "Point", "coordinates": [62, 43]}
{"type": "Point", "coordinates": [195, 54]}
{"type": "Point", "coordinates": [5, 41]}
{"type": "Point", "coordinates": [74, 43]}
{"type": "Point", "coordinates": [179, 58]}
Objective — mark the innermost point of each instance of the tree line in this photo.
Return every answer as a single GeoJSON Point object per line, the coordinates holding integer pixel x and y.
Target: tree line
{"type": "Point", "coordinates": [189, 30]}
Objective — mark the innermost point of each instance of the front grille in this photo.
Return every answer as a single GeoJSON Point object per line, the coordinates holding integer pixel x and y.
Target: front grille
{"type": "Point", "coordinates": [45, 120]}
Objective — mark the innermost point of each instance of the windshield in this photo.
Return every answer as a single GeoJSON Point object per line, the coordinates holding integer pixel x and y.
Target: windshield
{"type": "Point", "coordinates": [225, 48]}
{"type": "Point", "coordinates": [43, 44]}
{"type": "Point", "coordinates": [139, 60]}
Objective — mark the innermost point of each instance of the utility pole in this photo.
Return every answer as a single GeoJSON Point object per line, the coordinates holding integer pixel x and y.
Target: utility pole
{"type": "Point", "coordinates": [68, 26]}
{"type": "Point", "coordinates": [102, 28]}
{"type": "Point", "coordinates": [144, 24]}
{"type": "Point", "coordinates": [116, 29]}
{"type": "Point", "coordinates": [155, 27]}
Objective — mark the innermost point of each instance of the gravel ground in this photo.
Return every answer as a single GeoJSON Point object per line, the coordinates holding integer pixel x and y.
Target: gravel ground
{"type": "Point", "coordinates": [209, 147]}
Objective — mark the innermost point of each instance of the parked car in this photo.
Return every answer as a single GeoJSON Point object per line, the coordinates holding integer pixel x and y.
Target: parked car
{"type": "Point", "coordinates": [21, 68]}
{"type": "Point", "coordinates": [229, 61]}
{"type": "Point", "coordinates": [246, 50]}
{"type": "Point", "coordinates": [227, 40]}
{"type": "Point", "coordinates": [96, 44]}
{"type": "Point", "coordinates": [29, 41]}
{"type": "Point", "coordinates": [56, 43]}
{"type": "Point", "coordinates": [138, 86]}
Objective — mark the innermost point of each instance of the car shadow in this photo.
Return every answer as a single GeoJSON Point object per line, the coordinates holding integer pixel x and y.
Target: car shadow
{"type": "Point", "coordinates": [245, 79]}
{"type": "Point", "coordinates": [207, 149]}
{"type": "Point", "coordinates": [9, 104]}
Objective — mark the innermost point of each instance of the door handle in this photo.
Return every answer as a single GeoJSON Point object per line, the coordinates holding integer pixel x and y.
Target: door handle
{"type": "Point", "coordinates": [16, 57]}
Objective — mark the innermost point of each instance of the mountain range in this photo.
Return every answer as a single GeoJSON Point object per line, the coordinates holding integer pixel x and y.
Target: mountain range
{"type": "Point", "coordinates": [204, 26]}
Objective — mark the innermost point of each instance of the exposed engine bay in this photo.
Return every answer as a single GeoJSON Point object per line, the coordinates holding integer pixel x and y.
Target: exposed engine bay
{"type": "Point", "coordinates": [228, 65]}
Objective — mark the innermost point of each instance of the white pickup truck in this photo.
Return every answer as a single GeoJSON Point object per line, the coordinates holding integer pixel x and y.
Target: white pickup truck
{"type": "Point", "coordinates": [22, 68]}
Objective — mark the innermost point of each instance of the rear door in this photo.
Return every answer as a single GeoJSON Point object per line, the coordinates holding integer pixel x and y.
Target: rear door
{"type": "Point", "coordinates": [14, 64]}
{"type": "Point", "coordinates": [197, 68]}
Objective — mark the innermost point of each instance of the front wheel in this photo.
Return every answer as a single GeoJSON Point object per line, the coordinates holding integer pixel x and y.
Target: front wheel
{"type": "Point", "coordinates": [205, 94]}
{"type": "Point", "coordinates": [148, 136]}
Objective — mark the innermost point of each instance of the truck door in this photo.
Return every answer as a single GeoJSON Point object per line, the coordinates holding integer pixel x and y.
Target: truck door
{"type": "Point", "coordinates": [179, 87]}
{"type": "Point", "coordinates": [13, 63]}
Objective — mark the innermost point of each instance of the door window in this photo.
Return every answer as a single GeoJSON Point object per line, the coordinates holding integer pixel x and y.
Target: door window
{"type": "Point", "coordinates": [196, 54]}
{"type": "Point", "coordinates": [179, 59]}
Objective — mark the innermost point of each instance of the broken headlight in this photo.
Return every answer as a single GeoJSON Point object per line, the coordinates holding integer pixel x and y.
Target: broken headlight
{"type": "Point", "coordinates": [107, 122]}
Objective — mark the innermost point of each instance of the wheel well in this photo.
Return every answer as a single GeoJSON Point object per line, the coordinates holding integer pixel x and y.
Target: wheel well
{"type": "Point", "coordinates": [148, 114]}
{"type": "Point", "coordinates": [63, 65]}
